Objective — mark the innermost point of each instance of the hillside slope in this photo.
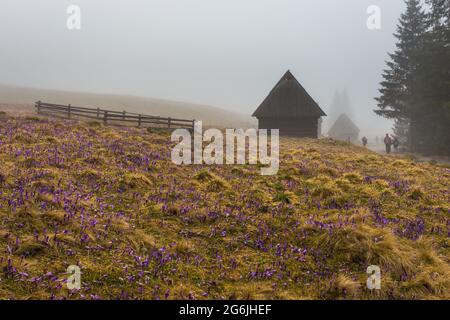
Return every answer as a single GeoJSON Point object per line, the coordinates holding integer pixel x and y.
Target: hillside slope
{"type": "Point", "coordinates": [110, 201]}
{"type": "Point", "coordinates": [212, 116]}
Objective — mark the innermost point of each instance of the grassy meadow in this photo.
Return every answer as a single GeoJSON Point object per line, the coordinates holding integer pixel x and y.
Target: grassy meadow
{"type": "Point", "coordinates": [109, 200]}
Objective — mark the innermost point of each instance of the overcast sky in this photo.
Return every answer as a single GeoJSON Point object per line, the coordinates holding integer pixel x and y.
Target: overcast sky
{"type": "Point", "coordinates": [227, 53]}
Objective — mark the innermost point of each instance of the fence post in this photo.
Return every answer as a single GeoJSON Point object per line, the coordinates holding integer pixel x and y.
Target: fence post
{"type": "Point", "coordinates": [98, 113]}
{"type": "Point", "coordinates": [123, 116]}
{"type": "Point", "coordinates": [193, 125]}
{"type": "Point", "coordinates": [105, 117]}
{"type": "Point", "coordinates": [38, 105]}
{"type": "Point", "coordinates": [140, 120]}
{"type": "Point", "coordinates": [169, 122]}
{"type": "Point", "coordinates": [68, 111]}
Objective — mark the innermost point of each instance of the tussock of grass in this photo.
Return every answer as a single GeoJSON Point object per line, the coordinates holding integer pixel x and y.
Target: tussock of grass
{"type": "Point", "coordinates": [30, 249]}
{"type": "Point", "coordinates": [344, 286]}
{"type": "Point", "coordinates": [94, 124]}
{"type": "Point", "coordinates": [203, 175]}
{"type": "Point", "coordinates": [136, 180]}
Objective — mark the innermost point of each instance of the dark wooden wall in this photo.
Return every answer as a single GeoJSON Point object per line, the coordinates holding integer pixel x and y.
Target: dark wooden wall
{"type": "Point", "coordinates": [297, 127]}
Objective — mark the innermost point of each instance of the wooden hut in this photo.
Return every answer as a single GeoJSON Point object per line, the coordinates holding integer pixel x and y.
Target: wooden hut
{"type": "Point", "coordinates": [291, 109]}
{"type": "Point", "coordinates": [344, 129]}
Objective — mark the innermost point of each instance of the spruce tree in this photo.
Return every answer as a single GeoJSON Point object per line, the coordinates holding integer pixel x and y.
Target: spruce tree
{"type": "Point", "coordinates": [341, 104]}
{"type": "Point", "coordinates": [433, 83]}
{"type": "Point", "coordinates": [397, 98]}
{"type": "Point", "coordinates": [401, 130]}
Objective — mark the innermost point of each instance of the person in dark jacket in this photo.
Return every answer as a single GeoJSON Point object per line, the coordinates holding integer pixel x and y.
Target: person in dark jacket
{"type": "Point", "coordinates": [388, 143]}
{"type": "Point", "coordinates": [396, 143]}
{"type": "Point", "coordinates": [364, 141]}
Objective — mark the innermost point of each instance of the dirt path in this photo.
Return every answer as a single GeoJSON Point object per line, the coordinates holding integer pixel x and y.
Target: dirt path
{"type": "Point", "coordinates": [418, 157]}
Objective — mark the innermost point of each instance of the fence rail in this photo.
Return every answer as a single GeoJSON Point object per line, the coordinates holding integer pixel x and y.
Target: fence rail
{"type": "Point", "coordinates": [107, 116]}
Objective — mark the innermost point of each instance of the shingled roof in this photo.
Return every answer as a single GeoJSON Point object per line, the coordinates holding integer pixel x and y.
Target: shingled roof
{"type": "Point", "coordinates": [288, 99]}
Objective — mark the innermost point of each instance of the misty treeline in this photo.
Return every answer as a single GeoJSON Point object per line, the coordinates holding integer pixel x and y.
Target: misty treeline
{"type": "Point", "coordinates": [341, 105]}
{"type": "Point", "coordinates": [415, 90]}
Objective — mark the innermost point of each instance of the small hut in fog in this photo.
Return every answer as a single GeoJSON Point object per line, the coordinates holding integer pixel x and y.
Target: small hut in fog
{"type": "Point", "coordinates": [344, 129]}
{"type": "Point", "coordinates": [291, 109]}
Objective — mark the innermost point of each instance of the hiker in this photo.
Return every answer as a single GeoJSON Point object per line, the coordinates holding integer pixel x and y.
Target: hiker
{"type": "Point", "coordinates": [396, 143]}
{"type": "Point", "coordinates": [364, 141]}
{"type": "Point", "coordinates": [388, 143]}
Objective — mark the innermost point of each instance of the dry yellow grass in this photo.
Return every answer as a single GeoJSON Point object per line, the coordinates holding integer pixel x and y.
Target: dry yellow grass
{"type": "Point", "coordinates": [110, 201]}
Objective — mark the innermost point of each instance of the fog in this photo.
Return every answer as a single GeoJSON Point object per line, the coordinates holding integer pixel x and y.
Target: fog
{"type": "Point", "coordinates": [226, 53]}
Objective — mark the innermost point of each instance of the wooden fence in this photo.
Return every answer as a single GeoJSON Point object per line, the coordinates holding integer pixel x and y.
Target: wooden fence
{"type": "Point", "coordinates": [107, 116]}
